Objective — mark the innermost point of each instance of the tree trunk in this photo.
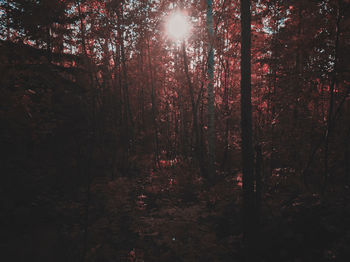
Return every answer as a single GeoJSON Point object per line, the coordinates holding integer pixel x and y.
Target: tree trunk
{"type": "Point", "coordinates": [127, 115]}
{"type": "Point", "coordinates": [226, 114]}
{"type": "Point", "coordinates": [194, 104]}
{"type": "Point", "coordinates": [258, 178]}
{"type": "Point", "coordinates": [155, 126]}
{"type": "Point", "coordinates": [246, 125]}
{"type": "Point", "coordinates": [93, 131]}
{"type": "Point", "coordinates": [142, 94]}
{"type": "Point", "coordinates": [211, 116]}
{"type": "Point", "coordinates": [273, 89]}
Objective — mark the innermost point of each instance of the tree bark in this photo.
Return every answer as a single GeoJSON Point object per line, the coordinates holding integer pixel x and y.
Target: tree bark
{"type": "Point", "coordinates": [246, 124]}
{"type": "Point", "coordinates": [211, 113]}
{"type": "Point", "coordinates": [258, 178]}
{"type": "Point", "coordinates": [226, 113]}
{"type": "Point", "coordinates": [194, 104]}
{"type": "Point", "coordinates": [155, 126]}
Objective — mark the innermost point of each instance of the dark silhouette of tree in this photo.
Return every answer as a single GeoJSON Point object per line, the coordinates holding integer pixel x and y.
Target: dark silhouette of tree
{"type": "Point", "coordinates": [246, 125]}
{"type": "Point", "coordinates": [211, 98]}
{"type": "Point", "coordinates": [110, 151]}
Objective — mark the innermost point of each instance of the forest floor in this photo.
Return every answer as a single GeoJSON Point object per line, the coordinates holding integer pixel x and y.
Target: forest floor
{"type": "Point", "coordinates": [168, 215]}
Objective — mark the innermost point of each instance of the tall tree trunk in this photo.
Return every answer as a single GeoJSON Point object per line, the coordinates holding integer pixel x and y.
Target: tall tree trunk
{"type": "Point", "coordinates": [127, 115]}
{"type": "Point", "coordinates": [154, 110]}
{"type": "Point", "coordinates": [93, 131]}
{"type": "Point", "coordinates": [246, 124]}
{"type": "Point", "coordinates": [211, 116]}
{"type": "Point", "coordinates": [226, 113]}
{"type": "Point", "coordinates": [181, 125]}
{"type": "Point", "coordinates": [273, 86]}
{"type": "Point", "coordinates": [258, 177]}
{"type": "Point", "coordinates": [142, 94]}
{"type": "Point", "coordinates": [194, 105]}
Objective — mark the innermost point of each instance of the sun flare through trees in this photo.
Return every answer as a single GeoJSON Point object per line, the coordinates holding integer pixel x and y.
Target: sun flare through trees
{"type": "Point", "coordinates": [211, 130]}
{"type": "Point", "coordinates": [178, 27]}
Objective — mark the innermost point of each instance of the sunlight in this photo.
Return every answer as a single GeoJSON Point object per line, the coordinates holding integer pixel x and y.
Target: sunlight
{"type": "Point", "coordinates": [178, 27]}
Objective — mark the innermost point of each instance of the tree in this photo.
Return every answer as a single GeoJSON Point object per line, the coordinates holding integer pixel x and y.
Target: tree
{"type": "Point", "coordinates": [211, 114]}
{"type": "Point", "coordinates": [42, 22]}
{"type": "Point", "coordinates": [246, 123]}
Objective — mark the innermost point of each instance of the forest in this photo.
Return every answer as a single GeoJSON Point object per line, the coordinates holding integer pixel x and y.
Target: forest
{"type": "Point", "coordinates": [171, 130]}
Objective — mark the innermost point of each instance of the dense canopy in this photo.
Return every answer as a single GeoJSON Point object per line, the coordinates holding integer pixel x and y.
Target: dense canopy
{"type": "Point", "coordinates": [200, 130]}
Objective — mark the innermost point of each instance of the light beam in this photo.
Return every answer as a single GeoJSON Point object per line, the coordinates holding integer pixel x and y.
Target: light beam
{"type": "Point", "coordinates": [177, 27]}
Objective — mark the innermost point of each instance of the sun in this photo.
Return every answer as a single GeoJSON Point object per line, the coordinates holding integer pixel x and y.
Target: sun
{"type": "Point", "coordinates": [177, 27]}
